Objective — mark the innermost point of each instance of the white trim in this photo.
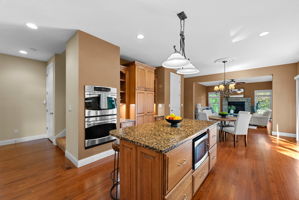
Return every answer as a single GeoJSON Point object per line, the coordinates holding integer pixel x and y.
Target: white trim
{"type": "Point", "coordinates": [61, 134]}
{"type": "Point", "coordinates": [297, 107]}
{"type": "Point", "coordinates": [88, 160]}
{"type": "Point", "coordinates": [284, 134]}
{"type": "Point", "coordinates": [23, 139]}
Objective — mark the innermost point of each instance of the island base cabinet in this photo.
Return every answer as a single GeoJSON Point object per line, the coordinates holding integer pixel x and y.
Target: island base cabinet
{"type": "Point", "coordinates": [183, 190]}
{"type": "Point", "coordinates": [200, 174]}
{"type": "Point", "coordinates": [213, 156]}
{"type": "Point", "coordinates": [140, 173]}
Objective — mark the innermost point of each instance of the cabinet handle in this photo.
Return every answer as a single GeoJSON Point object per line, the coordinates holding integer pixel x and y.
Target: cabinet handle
{"type": "Point", "coordinates": [182, 163]}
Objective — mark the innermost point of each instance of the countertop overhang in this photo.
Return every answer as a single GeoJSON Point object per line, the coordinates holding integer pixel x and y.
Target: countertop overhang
{"type": "Point", "coordinates": [160, 136]}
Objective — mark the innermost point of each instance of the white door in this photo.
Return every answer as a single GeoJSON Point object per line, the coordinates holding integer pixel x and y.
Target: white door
{"type": "Point", "coordinates": [50, 101]}
{"type": "Point", "coordinates": [175, 94]}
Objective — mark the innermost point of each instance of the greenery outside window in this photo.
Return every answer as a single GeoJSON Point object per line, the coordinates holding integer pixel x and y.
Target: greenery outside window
{"type": "Point", "coordinates": [214, 101]}
{"type": "Point", "coordinates": [262, 100]}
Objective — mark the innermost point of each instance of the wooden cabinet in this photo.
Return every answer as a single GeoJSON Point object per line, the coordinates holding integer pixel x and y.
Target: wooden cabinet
{"type": "Point", "coordinates": [213, 156]}
{"type": "Point", "coordinates": [212, 136]}
{"type": "Point", "coordinates": [142, 95]}
{"type": "Point", "coordinates": [149, 178]}
{"type": "Point", "coordinates": [200, 174]}
{"type": "Point", "coordinates": [178, 164]}
{"type": "Point", "coordinates": [183, 190]}
{"type": "Point", "coordinates": [140, 78]}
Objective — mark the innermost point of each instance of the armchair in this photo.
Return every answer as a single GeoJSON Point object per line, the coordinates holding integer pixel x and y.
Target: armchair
{"type": "Point", "coordinates": [261, 119]}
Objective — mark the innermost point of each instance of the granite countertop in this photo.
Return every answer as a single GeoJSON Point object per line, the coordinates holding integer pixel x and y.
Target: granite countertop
{"type": "Point", "coordinates": [159, 136]}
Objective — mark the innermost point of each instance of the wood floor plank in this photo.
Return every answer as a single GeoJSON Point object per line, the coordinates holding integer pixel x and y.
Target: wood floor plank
{"type": "Point", "coordinates": [268, 168]}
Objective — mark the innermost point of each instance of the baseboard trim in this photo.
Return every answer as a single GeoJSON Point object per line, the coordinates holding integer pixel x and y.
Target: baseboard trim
{"type": "Point", "coordinates": [88, 160]}
{"type": "Point", "coordinates": [293, 135]}
{"type": "Point", "coordinates": [23, 139]}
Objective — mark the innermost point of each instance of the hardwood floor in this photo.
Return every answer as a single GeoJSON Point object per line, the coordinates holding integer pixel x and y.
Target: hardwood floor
{"type": "Point", "coordinates": [266, 169]}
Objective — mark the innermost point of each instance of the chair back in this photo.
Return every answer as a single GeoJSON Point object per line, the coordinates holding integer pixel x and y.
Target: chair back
{"type": "Point", "coordinates": [209, 112]}
{"type": "Point", "coordinates": [267, 113]}
{"type": "Point", "coordinates": [242, 124]}
{"type": "Point", "coordinates": [244, 112]}
{"type": "Point", "coordinates": [203, 116]}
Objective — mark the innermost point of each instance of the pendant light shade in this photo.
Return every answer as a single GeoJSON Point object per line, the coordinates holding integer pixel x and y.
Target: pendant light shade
{"type": "Point", "coordinates": [175, 60]}
{"type": "Point", "coordinates": [188, 69]}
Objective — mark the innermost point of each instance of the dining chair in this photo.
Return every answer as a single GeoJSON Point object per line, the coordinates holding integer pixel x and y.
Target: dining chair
{"type": "Point", "coordinates": [241, 127]}
{"type": "Point", "coordinates": [209, 112]}
{"type": "Point", "coordinates": [203, 116]}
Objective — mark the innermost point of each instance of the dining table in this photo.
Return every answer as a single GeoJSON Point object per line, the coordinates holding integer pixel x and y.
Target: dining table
{"type": "Point", "coordinates": [224, 122]}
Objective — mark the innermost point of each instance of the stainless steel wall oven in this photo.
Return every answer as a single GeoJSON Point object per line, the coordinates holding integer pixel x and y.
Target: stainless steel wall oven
{"type": "Point", "coordinates": [100, 114]}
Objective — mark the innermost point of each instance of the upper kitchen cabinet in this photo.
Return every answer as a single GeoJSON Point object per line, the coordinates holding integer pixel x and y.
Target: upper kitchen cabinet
{"type": "Point", "coordinates": [141, 92]}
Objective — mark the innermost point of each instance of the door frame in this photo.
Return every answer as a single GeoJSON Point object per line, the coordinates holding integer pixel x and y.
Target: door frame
{"type": "Point", "coordinates": [297, 107]}
{"type": "Point", "coordinates": [50, 136]}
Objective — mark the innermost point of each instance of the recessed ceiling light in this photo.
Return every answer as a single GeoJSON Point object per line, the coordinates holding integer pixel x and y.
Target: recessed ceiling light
{"type": "Point", "coordinates": [23, 52]}
{"type": "Point", "coordinates": [264, 34]}
{"type": "Point", "coordinates": [31, 25]}
{"type": "Point", "coordinates": [140, 36]}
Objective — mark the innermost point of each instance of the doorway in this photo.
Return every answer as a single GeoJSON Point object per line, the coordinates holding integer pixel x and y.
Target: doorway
{"type": "Point", "coordinates": [175, 94]}
{"type": "Point", "coordinates": [50, 101]}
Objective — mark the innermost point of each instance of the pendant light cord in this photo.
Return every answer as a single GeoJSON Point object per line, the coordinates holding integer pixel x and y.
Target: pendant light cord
{"type": "Point", "coordinates": [182, 37]}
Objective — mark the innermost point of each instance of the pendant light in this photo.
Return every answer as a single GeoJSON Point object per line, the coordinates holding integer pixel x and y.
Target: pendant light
{"type": "Point", "coordinates": [178, 58]}
{"type": "Point", "coordinates": [188, 69]}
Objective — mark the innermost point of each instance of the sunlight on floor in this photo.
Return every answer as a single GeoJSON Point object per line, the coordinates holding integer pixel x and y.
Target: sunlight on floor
{"type": "Point", "coordinates": [286, 147]}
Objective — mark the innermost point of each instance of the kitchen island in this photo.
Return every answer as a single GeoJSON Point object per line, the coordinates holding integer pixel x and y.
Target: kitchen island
{"type": "Point", "coordinates": [156, 160]}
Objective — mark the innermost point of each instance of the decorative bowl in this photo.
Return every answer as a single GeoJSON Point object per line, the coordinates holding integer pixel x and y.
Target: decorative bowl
{"type": "Point", "coordinates": [223, 114]}
{"type": "Point", "coordinates": [174, 123]}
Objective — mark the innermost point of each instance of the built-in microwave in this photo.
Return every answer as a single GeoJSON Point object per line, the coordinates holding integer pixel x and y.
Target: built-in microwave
{"type": "Point", "coordinates": [100, 101]}
{"type": "Point", "coordinates": [200, 149]}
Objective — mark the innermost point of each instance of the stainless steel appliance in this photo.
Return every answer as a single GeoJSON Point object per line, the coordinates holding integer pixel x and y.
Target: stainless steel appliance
{"type": "Point", "coordinates": [200, 149]}
{"type": "Point", "coordinates": [100, 114]}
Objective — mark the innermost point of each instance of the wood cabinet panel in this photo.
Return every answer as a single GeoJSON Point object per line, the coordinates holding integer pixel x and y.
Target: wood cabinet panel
{"type": "Point", "coordinates": [149, 173]}
{"type": "Point", "coordinates": [140, 78]}
{"type": "Point", "coordinates": [183, 190]}
{"type": "Point", "coordinates": [128, 170]}
{"type": "Point", "coordinates": [213, 156]}
{"type": "Point", "coordinates": [200, 174]}
{"type": "Point", "coordinates": [140, 119]}
{"type": "Point", "coordinates": [150, 79]}
{"type": "Point", "coordinates": [178, 164]}
{"type": "Point", "coordinates": [141, 104]}
{"type": "Point", "coordinates": [213, 136]}
{"type": "Point", "coordinates": [150, 102]}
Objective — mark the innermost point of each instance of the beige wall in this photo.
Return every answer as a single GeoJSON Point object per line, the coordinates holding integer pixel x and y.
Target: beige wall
{"type": "Point", "coordinates": [72, 95]}
{"type": "Point", "coordinates": [163, 90]}
{"type": "Point", "coordinates": [200, 94]}
{"type": "Point", "coordinates": [283, 88]}
{"type": "Point", "coordinates": [96, 62]}
{"type": "Point", "coordinates": [22, 93]}
{"type": "Point", "coordinates": [59, 91]}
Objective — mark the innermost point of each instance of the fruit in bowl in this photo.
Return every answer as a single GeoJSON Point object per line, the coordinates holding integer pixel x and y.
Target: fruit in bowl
{"type": "Point", "coordinates": [223, 114]}
{"type": "Point", "coordinates": [173, 120]}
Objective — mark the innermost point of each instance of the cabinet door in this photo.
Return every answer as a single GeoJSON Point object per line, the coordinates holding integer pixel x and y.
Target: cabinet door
{"type": "Point", "coordinates": [140, 119]}
{"type": "Point", "coordinates": [150, 102]}
{"type": "Point", "coordinates": [140, 78]}
{"type": "Point", "coordinates": [140, 100]}
{"type": "Point", "coordinates": [149, 118]}
{"type": "Point", "coordinates": [150, 80]}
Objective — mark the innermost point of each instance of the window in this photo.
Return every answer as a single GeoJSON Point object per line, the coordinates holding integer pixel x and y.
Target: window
{"type": "Point", "coordinates": [214, 101]}
{"type": "Point", "coordinates": [262, 100]}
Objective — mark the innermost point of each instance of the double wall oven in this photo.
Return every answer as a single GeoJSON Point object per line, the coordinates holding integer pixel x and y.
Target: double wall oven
{"type": "Point", "coordinates": [200, 149]}
{"type": "Point", "coordinates": [100, 114]}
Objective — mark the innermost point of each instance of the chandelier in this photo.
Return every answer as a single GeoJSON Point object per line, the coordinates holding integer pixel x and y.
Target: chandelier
{"type": "Point", "coordinates": [225, 88]}
{"type": "Point", "coordinates": [178, 59]}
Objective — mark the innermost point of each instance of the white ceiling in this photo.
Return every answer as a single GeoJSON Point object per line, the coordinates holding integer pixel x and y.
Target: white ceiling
{"type": "Point", "coordinates": [246, 80]}
{"type": "Point", "coordinates": [40, 44]}
{"type": "Point", "coordinates": [210, 28]}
